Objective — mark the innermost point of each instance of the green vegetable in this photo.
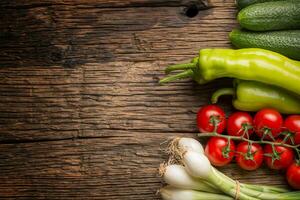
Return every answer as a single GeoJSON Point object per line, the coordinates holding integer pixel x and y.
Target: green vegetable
{"type": "Point", "coordinates": [247, 64]}
{"type": "Point", "coordinates": [173, 193]}
{"type": "Point", "coordinates": [278, 15]}
{"type": "Point", "coordinates": [244, 3]}
{"type": "Point", "coordinates": [197, 174]}
{"type": "Point", "coordinates": [285, 42]}
{"type": "Point", "coordinates": [253, 96]}
{"type": "Point", "coordinates": [198, 166]}
{"type": "Point", "coordinates": [176, 176]}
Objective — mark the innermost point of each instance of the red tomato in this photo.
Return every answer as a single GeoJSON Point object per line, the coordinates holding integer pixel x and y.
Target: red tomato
{"type": "Point", "coordinates": [249, 157]}
{"type": "Point", "coordinates": [207, 114]}
{"type": "Point", "coordinates": [269, 122]}
{"type": "Point", "coordinates": [292, 124]}
{"type": "Point", "coordinates": [240, 123]}
{"type": "Point", "coordinates": [282, 160]}
{"type": "Point", "coordinates": [218, 151]}
{"type": "Point", "coordinates": [293, 175]}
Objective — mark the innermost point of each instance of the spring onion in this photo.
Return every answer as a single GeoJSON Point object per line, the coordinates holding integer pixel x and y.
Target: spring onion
{"type": "Point", "coordinates": [198, 174]}
{"type": "Point", "coordinates": [190, 144]}
{"type": "Point", "coordinates": [176, 175]}
{"type": "Point", "coordinates": [172, 193]}
{"type": "Point", "coordinates": [199, 166]}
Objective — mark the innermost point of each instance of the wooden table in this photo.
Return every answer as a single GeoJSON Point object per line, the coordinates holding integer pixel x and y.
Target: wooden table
{"type": "Point", "coordinates": [81, 113]}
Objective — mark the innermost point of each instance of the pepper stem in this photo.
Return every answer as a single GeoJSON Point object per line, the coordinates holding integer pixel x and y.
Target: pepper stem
{"type": "Point", "coordinates": [180, 67]}
{"type": "Point", "coordinates": [223, 91]}
{"type": "Point", "coordinates": [184, 74]}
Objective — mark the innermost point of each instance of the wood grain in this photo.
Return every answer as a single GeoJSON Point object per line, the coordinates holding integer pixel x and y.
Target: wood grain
{"type": "Point", "coordinates": [58, 103]}
{"type": "Point", "coordinates": [81, 113]}
{"type": "Point", "coordinates": [103, 168]}
{"type": "Point", "coordinates": [70, 35]}
{"type": "Point", "coordinates": [14, 4]}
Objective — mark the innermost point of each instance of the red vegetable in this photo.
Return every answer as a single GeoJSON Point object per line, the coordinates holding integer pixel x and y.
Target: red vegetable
{"type": "Point", "coordinates": [219, 151]}
{"type": "Point", "coordinates": [293, 176]}
{"type": "Point", "coordinates": [278, 158]}
{"type": "Point", "coordinates": [240, 123]}
{"type": "Point", "coordinates": [268, 123]}
{"type": "Point", "coordinates": [292, 124]}
{"type": "Point", "coordinates": [249, 156]}
{"type": "Point", "coordinates": [210, 116]}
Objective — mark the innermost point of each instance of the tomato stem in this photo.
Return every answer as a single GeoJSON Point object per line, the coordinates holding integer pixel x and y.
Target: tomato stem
{"type": "Point", "coordinates": [245, 128]}
{"type": "Point", "coordinates": [275, 155]}
{"type": "Point", "coordinates": [241, 138]}
{"type": "Point", "coordinates": [267, 132]}
{"type": "Point", "coordinates": [215, 121]}
{"type": "Point", "coordinates": [226, 150]}
{"type": "Point", "coordinates": [249, 155]}
{"type": "Point", "coordinates": [288, 136]}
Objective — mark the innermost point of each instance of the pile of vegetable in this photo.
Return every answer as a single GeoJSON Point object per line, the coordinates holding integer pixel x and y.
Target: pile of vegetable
{"type": "Point", "coordinates": [266, 80]}
{"type": "Point", "coordinates": [265, 72]}
{"type": "Point", "coordinates": [266, 137]}
{"type": "Point", "coordinates": [269, 24]}
{"type": "Point", "coordinates": [276, 78]}
{"type": "Point", "coordinates": [190, 176]}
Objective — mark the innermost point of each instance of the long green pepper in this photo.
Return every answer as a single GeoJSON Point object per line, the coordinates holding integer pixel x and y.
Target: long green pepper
{"type": "Point", "coordinates": [247, 64]}
{"type": "Point", "coordinates": [253, 96]}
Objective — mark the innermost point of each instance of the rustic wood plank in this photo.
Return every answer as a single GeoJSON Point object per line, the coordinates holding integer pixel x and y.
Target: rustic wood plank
{"type": "Point", "coordinates": [81, 113]}
{"type": "Point", "coordinates": [15, 4]}
{"type": "Point", "coordinates": [58, 103]}
{"type": "Point", "coordinates": [33, 107]}
{"type": "Point", "coordinates": [71, 36]}
{"type": "Point", "coordinates": [38, 103]}
{"type": "Point", "coordinates": [100, 168]}
{"type": "Point", "coordinates": [104, 168]}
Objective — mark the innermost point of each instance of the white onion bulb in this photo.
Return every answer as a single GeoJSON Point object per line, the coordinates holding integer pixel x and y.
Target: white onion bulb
{"type": "Point", "coordinates": [196, 164]}
{"type": "Point", "coordinates": [190, 144]}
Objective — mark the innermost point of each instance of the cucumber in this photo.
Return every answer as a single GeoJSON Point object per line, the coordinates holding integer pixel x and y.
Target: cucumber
{"type": "Point", "coordinates": [284, 42]}
{"type": "Point", "coordinates": [244, 3]}
{"type": "Point", "coordinates": [277, 15]}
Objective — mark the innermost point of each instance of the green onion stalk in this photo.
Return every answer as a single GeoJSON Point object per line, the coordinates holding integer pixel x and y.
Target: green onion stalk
{"type": "Point", "coordinates": [173, 193]}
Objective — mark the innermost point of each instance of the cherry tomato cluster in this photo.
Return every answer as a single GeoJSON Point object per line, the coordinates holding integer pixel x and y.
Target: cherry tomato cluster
{"type": "Point", "coordinates": [259, 138]}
